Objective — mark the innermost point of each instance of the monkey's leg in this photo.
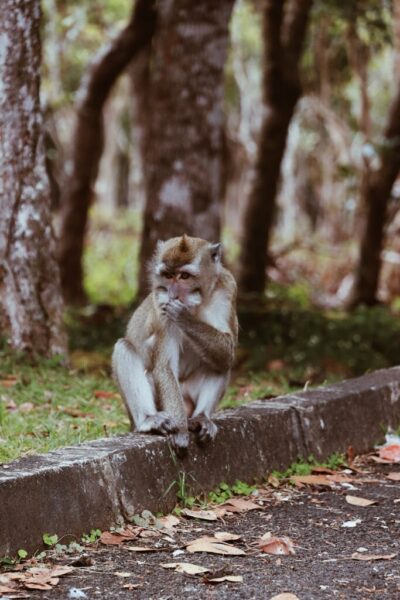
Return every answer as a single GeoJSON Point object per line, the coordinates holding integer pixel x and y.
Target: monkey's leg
{"type": "Point", "coordinates": [207, 391]}
{"type": "Point", "coordinates": [137, 392]}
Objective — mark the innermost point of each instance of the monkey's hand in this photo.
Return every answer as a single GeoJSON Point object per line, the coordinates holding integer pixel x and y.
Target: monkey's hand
{"type": "Point", "coordinates": [174, 310]}
{"type": "Point", "coordinates": [204, 428]}
{"type": "Point", "coordinates": [180, 442]}
{"type": "Point", "coordinates": [160, 422]}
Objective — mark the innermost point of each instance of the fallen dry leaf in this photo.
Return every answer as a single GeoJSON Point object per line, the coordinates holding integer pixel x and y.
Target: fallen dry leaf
{"type": "Point", "coordinates": [205, 515]}
{"type": "Point", "coordinates": [390, 453]}
{"type": "Point", "coordinates": [240, 505]}
{"type": "Point", "coordinates": [381, 461]}
{"type": "Point", "coordinates": [231, 578]}
{"type": "Point", "coordinates": [274, 481]}
{"type": "Point", "coordinates": [9, 381]}
{"type": "Point", "coordinates": [4, 589]}
{"type": "Point", "coordinates": [26, 407]}
{"type": "Point", "coordinates": [131, 586]}
{"type": "Point", "coordinates": [188, 568]}
{"type": "Point", "coordinates": [148, 533]}
{"type": "Point", "coordinates": [225, 536]}
{"type": "Point", "coordinates": [394, 476]}
{"type": "Point", "coordinates": [285, 596]}
{"type": "Point", "coordinates": [123, 574]}
{"type": "Point", "coordinates": [300, 480]}
{"type": "Point", "coordinates": [10, 404]}
{"type": "Point", "coordinates": [339, 478]}
{"type": "Point", "coordinates": [116, 538]}
{"type": "Point", "coordinates": [357, 501]}
{"type": "Point", "coordinates": [324, 470]}
{"type": "Point", "coordinates": [140, 549]}
{"type": "Point", "coordinates": [366, 557]}
{"type": "Point", "coordinates": [75, 412]}
{"type": "Point", "coordinates": [207, 544]}
{"type": "Point", "coordinates": [105, 394]}
{"type": "Point", "coordinates": [276, 545]}
{"type": "Point", "coordinates": [168, 522]}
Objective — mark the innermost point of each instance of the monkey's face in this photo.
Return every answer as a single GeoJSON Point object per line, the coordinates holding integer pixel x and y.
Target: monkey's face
{"type": "Point", "coordinates": [185, 269]}
{"type": "Point", "coordinates": [179, 283]}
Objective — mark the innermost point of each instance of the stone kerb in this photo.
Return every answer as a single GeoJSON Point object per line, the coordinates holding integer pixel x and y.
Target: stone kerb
{"type": "Point", "coordinates": [98, 484]}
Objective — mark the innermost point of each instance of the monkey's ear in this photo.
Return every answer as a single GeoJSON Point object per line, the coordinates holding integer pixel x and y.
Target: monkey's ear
{"type": "Point", "coordinates": [216, 252]}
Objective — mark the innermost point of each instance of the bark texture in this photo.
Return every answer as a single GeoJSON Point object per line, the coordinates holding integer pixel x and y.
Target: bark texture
{"type": "Point", "coordinates": [30, 294]}
{"type": "Point", "coordinates": [376, 195]}
{"type": "Point", "coordinates": [183, 140]}
{"type": "Point", "coordinates": [284, 29]}
{"type": "Point", "coordinates": [88, 142]}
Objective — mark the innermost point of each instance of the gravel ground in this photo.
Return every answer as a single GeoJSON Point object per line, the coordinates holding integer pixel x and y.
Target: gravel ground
{"type": "Point", "coordinates": [311, 516]}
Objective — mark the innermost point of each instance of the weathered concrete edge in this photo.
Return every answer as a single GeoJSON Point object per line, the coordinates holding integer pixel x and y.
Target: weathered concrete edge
{"type": "Point", "coordinates": [100, 483]}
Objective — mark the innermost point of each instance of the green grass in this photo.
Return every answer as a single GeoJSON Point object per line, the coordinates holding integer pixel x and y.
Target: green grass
{"type": "Point", "coordinates": [48, 406]}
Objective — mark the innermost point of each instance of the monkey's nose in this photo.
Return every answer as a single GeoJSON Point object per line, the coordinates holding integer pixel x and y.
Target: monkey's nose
{"type": "Point", "coordinates": [173, 291]}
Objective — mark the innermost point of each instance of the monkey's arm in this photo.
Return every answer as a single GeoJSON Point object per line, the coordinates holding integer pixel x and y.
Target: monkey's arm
{"type": "Point", "coordinates": [169, 393]}
{"type": "Point", "coordinates": [215, 348]}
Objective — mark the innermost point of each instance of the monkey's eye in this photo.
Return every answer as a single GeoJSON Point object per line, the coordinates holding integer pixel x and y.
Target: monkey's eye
{"type": "Point", "coordinates": [166, 275]}
{"type": "Point", "coordinates": [185, 275]}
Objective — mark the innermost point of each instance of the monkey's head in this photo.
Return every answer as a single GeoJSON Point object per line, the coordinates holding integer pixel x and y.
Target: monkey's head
{"type": "Point", "coordinates": [186, 269]}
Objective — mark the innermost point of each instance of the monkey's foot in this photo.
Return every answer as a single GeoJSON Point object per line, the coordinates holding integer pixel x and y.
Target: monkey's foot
{"type": "Point", "coordinates": [180, 442]}
{"type": "Point", "coordinates": [204, 428]}
{"type": "Point", "coordinates": [160, 423]}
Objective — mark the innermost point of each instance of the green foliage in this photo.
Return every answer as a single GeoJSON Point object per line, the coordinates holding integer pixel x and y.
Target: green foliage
{"type": "Point", "coordinates": [315, 345]}
{"type": "Point", "coordinates": [92, 537]}
{"type": "Point", "coordinates": [224, 491]}
{"type": "Point", "coordinates": [183, 494]}
{"type": "Point", "coordinates": [22, 553]}
{"type": "Point", "coordinates": [304, 467]}
{"type": "Point", "coordinates": [73, 33]}
{"type": "Point", "coordinates": [50, 540]}
{"type": "Point", "coordinates": [110, 258]}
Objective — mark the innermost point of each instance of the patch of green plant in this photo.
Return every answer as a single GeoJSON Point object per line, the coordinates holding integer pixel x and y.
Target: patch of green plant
{"type": "Point", "coordinates": [183, 495]}
{"type": "Point", "coordinates": [304, 466]}
{"type": "Point", "coordinates": [92, 537]}
{"type": "Point", "coordinates": [302, 344]}
{"type": "Point", "coordinates": [50, 539]}
{"type": "Point", "coordinates": [223, 492]}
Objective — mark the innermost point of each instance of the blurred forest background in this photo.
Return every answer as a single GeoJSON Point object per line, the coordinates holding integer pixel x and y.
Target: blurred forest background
{"type": "Point", "coordinates": [273, 125]}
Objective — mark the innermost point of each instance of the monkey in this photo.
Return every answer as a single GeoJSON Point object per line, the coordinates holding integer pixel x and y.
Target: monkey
{"type": "Point", "coordinates": [174, 363]}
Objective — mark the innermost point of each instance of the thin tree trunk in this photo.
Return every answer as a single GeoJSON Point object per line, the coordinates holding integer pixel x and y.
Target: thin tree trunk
{"type": "Point", "coordinates": [183, 140]}
{"type": "Point", "coordinates": [375, 198]}
{"type": "Point", "coordinates": [30, 293]}
{"type": "Point", "coordinates": [88, 142]}
{"type": "Point", "coordinates": [284, 28]}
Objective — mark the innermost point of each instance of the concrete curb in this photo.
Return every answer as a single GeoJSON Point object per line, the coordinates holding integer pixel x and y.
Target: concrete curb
{"type": "Point", "coordinates": [98, 484]}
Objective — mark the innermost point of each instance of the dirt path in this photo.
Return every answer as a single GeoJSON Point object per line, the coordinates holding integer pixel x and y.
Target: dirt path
{"type": "Point", "coordinates": [313, 517]}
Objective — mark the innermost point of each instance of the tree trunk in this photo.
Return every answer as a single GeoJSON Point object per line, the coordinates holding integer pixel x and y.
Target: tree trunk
{"type": "Point", "coordinates": [30, 293]}
{"type": "Point", "coordinates": [183, 140]}
{"type": "Point", "coordinates": [88, 143]}
{"type": "Point", "coordinates": [375, 197]}
{"type": "Point", "coordinates": [284, 25]}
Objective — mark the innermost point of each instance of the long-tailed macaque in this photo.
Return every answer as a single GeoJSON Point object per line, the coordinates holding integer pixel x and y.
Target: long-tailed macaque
{"type": "Point", "coordinates": [174, 363]}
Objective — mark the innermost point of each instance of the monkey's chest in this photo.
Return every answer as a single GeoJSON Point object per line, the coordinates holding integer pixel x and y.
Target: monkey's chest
{"type": "Point", "coordinates": [188, 362]}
